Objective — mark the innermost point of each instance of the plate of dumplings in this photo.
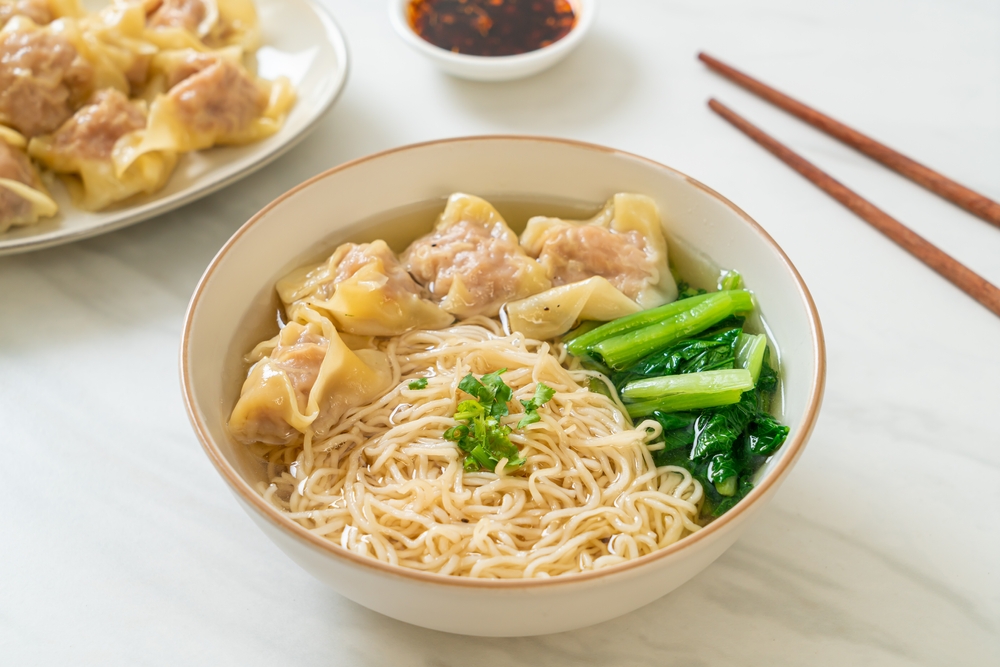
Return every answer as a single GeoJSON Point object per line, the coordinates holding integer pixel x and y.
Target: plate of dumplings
{"type": "Point", "coordinates": [115, 113]}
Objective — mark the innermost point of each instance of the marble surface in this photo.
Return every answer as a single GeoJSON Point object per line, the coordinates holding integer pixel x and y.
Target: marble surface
{"type": "Point", "coordinates": [120, 545]}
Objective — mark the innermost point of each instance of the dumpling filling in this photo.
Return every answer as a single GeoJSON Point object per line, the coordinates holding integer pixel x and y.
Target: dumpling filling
{"type": "Point", "coordinates": [42, 79]}
{"type": "Point", "coordinates": [365, 291]}
{"type": "Point", "coordinates": [472, 261]}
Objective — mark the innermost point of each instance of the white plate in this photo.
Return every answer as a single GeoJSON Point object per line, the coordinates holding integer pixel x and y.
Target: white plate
{"type": "Point", "coordinates": [302, 42]}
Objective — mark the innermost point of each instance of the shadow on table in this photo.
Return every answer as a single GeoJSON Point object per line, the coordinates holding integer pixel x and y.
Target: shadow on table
{"type": "Point", "coordinates": [579, 91]}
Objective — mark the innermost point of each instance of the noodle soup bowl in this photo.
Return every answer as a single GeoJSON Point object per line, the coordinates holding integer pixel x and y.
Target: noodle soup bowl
{"type": "Point", "coordinates": [234, 304]}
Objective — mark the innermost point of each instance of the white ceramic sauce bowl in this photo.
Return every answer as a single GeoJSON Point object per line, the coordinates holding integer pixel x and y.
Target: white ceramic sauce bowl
{"type": "Point", "coordinates": [319, 214]}
{"type": "Point", "coordinates": [495, 68]}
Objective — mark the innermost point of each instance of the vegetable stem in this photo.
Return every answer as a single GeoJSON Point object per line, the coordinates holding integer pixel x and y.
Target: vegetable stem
{"type": "Point", "coordinates": [627, 348]}
{"type": "Point", "coordinates": [581, 344]}
{"type": "Point", "coordinates": [705, 382]}
{"type": "Point", "coordinates": [750, 354]}
{"type": "Point", "coordinates": [681, 402]}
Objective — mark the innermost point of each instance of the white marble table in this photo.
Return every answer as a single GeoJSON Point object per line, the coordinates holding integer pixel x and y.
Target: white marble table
{"type": "Point", "coordinates": [120, 545]}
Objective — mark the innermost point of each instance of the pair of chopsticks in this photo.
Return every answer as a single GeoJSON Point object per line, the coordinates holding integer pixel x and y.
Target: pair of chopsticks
{"type": "Point", "coordinates": [947, 266]}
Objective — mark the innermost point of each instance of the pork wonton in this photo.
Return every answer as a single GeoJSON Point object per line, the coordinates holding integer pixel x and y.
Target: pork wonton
{"type": "Point", "coordinates": [85, 146]}
{"type": "Point", "coordinates": [304, 380]}
{"type": "Point", "coordinates": [218, 103]}
{"type": "Point", "coordinates": [472, 262]}
{"type": "Point", "coordinates": [624, 243]}
{"type": "Point", "coordinates": [23, 199]}
{"type": "Point", "coordinates": [365, 291]}
{"type": "Point", "coordinates": [42, 78]}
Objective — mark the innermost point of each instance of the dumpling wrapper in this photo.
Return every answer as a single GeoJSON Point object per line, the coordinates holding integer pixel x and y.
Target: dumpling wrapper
{"type": "Point", "coordinates": [220, 104]}
{"type": "Point", "coordinates": [84, 146]}
{"type": "Point", "coordinates": [472, 261]}
{"type": "Point", "coordinates": [365, 291]}
{"type": "Point", "coordinates": [624, 243]}
{"type": "Point", "coordinates": [306, 378]}
{"type": "Point", "coordinates": [41, 12]}
{"type": "Point", "coordinates": [23, 198]}
{"type": "Point", "coordinates": [203, 24]}
{"type": "Point", "coordinates": [555, 311]}
{"type": "Point", "coordinates": [43, 78]}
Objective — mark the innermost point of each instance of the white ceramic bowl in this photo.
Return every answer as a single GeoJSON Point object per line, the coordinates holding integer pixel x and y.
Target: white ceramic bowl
{"type": "Point", "coordinates": [237, 289]}
{"type": "Point", "coordinates": [495, 68]}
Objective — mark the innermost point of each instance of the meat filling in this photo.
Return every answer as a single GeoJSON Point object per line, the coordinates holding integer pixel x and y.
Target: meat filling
{"type": "Point", "coordinates": [16, 166]}
{"type": "Point", "coordinates": [220, 98]}
{"type": "Point", "coordinates": [42, 81]}
{"type": "Point", "coordinates": [36, 10]}
{"type": "Point", "coordinates": [94, 129]}
{"type": "Point", "coordinates": [187, 14]}
{"type": "Point", "coordinates": [574, 253]}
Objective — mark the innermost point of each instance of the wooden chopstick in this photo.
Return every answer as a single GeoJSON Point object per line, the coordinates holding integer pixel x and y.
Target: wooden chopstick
{"type": "Point", "coordinates": [971, 201]}
{"type": "Point", "coordinates": [961, 276]}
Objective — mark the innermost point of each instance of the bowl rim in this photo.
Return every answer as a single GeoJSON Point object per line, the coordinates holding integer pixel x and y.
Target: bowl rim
{"type": "Point", "coordinates": [587, 11]}
{"type": "Point", "coordinates": [254, 500]}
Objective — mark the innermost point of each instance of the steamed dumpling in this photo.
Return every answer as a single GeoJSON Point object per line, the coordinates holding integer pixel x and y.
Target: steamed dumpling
{"type": "Point", "coordinates": [218, 103]}
{"type": "Point", "coordinates": [84, 147]}
{"type": "Point", "coordinates": [472, 262]}
{"type": "Point", "coordinates": [624, 243]}
{"type": "Point", "coordinates": [113, 41]}
{"type": "Point", "coordinates": [43, 79]}
{"type": "Point", "coordinates": [304, 380]}
{"type": "Point", "coordinates": [203, 24]}
{"type": "Point", "coordinates": [40, 12]}
{"type": "Point", "coordinates": [555, 311]}
{"type": "Point", "coordinates": [365, 291]}
{"type": "Point", "coordinates": [23, 199]}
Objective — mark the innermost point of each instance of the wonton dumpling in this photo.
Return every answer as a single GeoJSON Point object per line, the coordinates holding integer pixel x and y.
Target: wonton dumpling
{"type": "Point", "coordinates": [43, 78]}
{"type": "Point", "coordinates": [168, 68]}
{"type": "Point", "coordinates": [219, 103]}
{"type": "Point", "coordinates": [554, 312]}
{"type": "Point", "coordinates": [365, 291]}
{"type": "Point", "coordinates": [472, 261]}
{"type": "Point", "coordinates": [85, 146]}
{"type": "Point", "coordinates": [624, 243]}
{"type": "Point", "coordinates": [41, 12]}
{"type": "Point", "coordinates": [113, 40]}
{"type": "Point", "coordinates": [305, 383]}
{"type": "Point", "coordinates": [23, 199]}
{"type": "Point", "coordinates": [203, 24]}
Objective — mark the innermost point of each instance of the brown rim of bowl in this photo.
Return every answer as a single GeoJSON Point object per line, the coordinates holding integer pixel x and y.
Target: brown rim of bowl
{"type": "Point", "coordinates": [793, 448]}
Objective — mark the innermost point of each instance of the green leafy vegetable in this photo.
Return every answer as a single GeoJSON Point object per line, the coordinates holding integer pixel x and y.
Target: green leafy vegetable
{"type": "Point", "coordinates": [479, 433]}
{"type": "Point", "coordinates": [730, 280]}
{"type": "Point", "coordinates": [750, 353]}
{"type": "Point", "coordinates": [705, 382]}
{"type": "Point", "coordinates": [712, 351]}
{"type": "Point", "coordinates": [625, 349]}
{"type": "Point", "coordinates": [420, 383]}
{"type": "Point", "coordinates": [685, 291]}
{"type": "Point", "coordinates": [582, 345]}
{"type": "Point", "coordinates": [542, 395]}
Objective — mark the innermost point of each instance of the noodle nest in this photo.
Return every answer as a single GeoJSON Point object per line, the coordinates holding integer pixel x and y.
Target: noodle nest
{"type": "Point", "coordinates": [385, 484]}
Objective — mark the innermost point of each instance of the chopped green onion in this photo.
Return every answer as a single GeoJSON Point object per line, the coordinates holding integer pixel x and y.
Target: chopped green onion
{"type": "Point", "coordinates": [420, 383]}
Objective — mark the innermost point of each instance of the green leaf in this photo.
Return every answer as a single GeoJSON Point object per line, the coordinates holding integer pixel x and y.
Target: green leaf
{"type": "Point", "coordinates": [420, 383]}
{"type": "Point", "coordinates": [542, 395]}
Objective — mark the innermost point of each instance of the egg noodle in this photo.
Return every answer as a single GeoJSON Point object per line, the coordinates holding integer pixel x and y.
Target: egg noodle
{"type": "Point", "coordinates": [385, 484]}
